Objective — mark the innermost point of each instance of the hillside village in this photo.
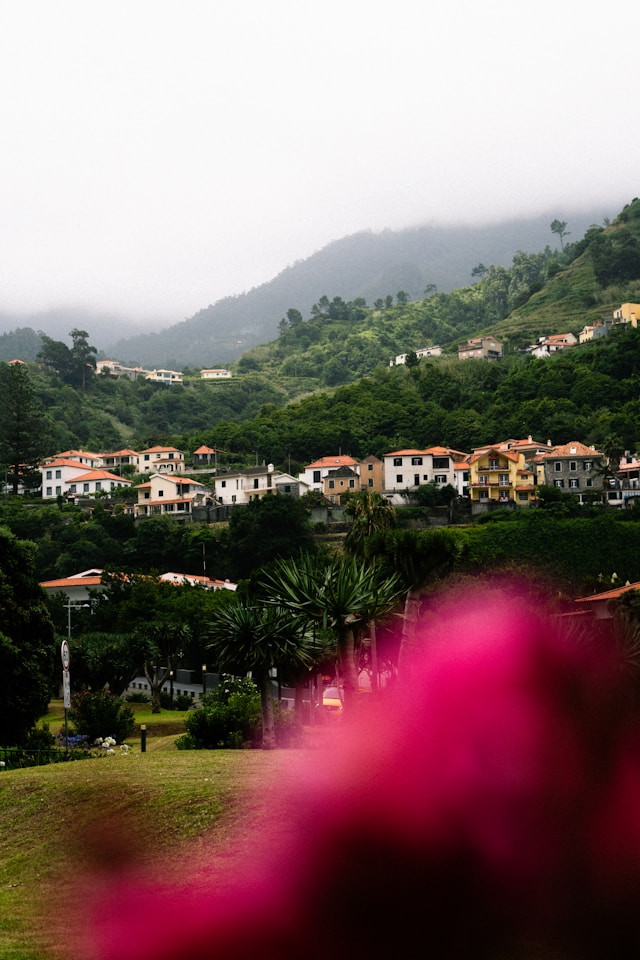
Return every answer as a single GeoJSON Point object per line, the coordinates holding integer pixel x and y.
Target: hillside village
{"type": "Point", "coordinates": [506, 473]}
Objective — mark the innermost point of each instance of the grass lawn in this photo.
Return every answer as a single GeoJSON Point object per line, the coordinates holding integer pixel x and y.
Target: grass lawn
{"type": "Point", "coordinates": [165, 812]}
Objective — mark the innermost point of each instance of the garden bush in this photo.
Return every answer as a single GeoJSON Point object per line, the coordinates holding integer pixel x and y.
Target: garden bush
{"type": "Point", "coordinates": [101, 714]}
{"type": "Point", "coordinates": [230, 718]}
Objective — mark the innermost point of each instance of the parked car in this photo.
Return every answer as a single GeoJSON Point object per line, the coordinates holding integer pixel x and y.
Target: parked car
{"type": "Point", "coordinates": [332, 701]}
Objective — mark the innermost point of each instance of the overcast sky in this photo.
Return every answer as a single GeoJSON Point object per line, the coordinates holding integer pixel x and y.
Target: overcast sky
{"type": "Point", "coordinates": [159, 155]}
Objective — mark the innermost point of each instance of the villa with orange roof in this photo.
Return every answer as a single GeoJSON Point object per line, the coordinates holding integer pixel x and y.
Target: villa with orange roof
{"type": "Point", "coordinates": [161, 460]}
{"type": "Point", "coordinates": [171, 496]}
{"type": "Point", "coordinates": [575, 468]}
{"type": "Point", "coordinates": [64, 477]}
{"type": "Point", "coordinates": [406, 470]}
{"type": "Point", "coordinates": [314, 474]}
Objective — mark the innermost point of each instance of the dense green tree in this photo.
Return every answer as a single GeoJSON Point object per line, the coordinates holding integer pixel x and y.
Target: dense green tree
{"type": "Point", "coordinates": [27, 645]}
{"type": "Point", "coordinates": [275, 526]}
{"type": "Point", "coordinates": [22, 428]}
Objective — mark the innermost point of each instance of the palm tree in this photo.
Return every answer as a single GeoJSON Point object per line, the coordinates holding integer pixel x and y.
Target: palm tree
{"type": "Point", "coordinates": [342, 594]}
{"type": "Point", "coordinates": [370, 513]}
{"type": "Point", "coordinates": [248, 636]}
{"type": "Point", "coordinates": [418, 558]}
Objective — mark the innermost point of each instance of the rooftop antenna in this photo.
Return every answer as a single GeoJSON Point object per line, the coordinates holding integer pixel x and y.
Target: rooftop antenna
{"type": "Point", "coordinates": [204, 559]}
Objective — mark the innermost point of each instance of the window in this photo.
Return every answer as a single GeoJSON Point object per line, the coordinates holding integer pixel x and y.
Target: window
{"type": "Point", "coordinates": [416, 461]}
{"type": "Point", "coordinates": [523, 496]}
{"type": "Point", "coordinates": [59, 491]}
{"type": "Point", "coordinates": [169, 508]}
{"type": "Point", "coordinates": [440, 463]}
{"type": "Point", "coordinates": [332, 484]}
{"type": "Point", "coordinates": [72, 488]}
{"type": "Point", "coordinates": [416, 479]}
{"type": "Point", "coordinates": [587, 464]}
{"type": "Point", "coordinates": [574, 482]}
{"type": "Point", "coordinates": [146, 456]}
{"type": "Point", "coordinates": [287, 488]}
{"type": "Point", "coordinates": [440, 478]}
{"type": "Point", "coordinates": [369, 466]}
{"type": "Point", "coordinates": [483, 494]}
{"type": "Point", "coordinates": [48, 475]}
{"type": "Point", "coordinates": [557, 466]}
{"type": "Point", "coordinates": [559, 483]}
{"type": "Point", "coordinates": [223, 483]}
{"type": "Point", "coordinates": [370, 482]}
{"type": "Point", "coordinates": [170, 456]}
{"type": "Point", "coordinates": [146, 495]}
{"type": "Point", "coordinates": [573, 466]}
{"type": "Point", "coordinates": [494, 464]}
{"type": "Point", "coordinates": [160, 493]}
{"type": "Point", "coordinates": [484, 479]}
{"type": "Point", "coordinates": [58, 474]}
{"type": "Point", "coordinates": [49, 492]}
{"type": "Point", "coordinates": [256, 483]}
{"type": "Point", "coordinates": [85, 488]}
{"type": "Point", "coordinates": [352, 484]}
{"type": "Point", "coordinates": [316, 476]}
{"type": "Point", "coordinates": [398, 478]}
{"type": "Point", "coordinates": [397, 461]}
{"type": "Point", "coordinates": [98, 485]}
{"type": "Point", "coordinates": [589, 482]}
{"type": "Point", "coordinates": [503, 479]}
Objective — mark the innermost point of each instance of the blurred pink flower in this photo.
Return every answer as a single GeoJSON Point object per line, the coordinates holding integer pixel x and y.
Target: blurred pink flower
{"type": "Point", "coordinates": [491, 809]}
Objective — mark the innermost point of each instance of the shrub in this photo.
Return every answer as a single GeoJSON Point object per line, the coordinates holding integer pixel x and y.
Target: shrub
{"type": "Point", "coordinates": [100, 714]}
{"type": "Point", "coordinates": [230, 717]}
{"type": "Point", "coordinates": [181, 701]}
{"type": "Point", "coordinates": [138, 697]}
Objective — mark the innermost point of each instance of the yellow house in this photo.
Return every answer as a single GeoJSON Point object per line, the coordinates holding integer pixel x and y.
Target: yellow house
{"type": "Point", "coordinates": [627, 313]}
{"type": "Point", "coordinates": [500, 476]}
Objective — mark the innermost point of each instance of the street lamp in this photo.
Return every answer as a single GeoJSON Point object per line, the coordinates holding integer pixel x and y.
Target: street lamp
{"type": "Point", "coordinates": [171, 686]}
{"type": "Point", "coordinates": [204, 679]}
{"type": "Point", "coordinates": [75, 606]}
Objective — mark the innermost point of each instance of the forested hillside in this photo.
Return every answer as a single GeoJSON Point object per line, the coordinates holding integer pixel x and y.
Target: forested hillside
{"type": "Point", "coordinates": [364, 265]}
{"type": "Point", "coordinates": [292, 400]}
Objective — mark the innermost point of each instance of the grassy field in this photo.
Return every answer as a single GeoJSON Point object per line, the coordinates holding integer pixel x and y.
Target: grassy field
{"type": "Point", "coordinates": [163, 812]}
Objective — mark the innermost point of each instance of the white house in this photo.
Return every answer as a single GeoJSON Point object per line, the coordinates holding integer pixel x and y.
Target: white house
{"type": "Point", "coordinates": [164, 376]}
{"type": "Point", "coordinates": [406, 470]}
{"type": "Point", "coordinates": [215, 374]}
{"type": "Point", "coordinates": [314, 474]}
{"type": "Point", "coordinates": [434, 351]}
{"type": "Point", "coordinates": [244, 485]}
{"type": "Point", "coordinates": [65, 477]}
{"type": "Point", "coordinates": [161, 460]}
{"type": "Point", "coordinates": [163, 494]}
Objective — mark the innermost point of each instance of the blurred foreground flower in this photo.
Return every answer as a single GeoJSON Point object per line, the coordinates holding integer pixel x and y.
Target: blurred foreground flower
{"type": "Point", "coordinates": [492, 810]}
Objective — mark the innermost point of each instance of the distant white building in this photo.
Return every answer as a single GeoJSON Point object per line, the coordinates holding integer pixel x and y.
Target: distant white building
{"type": "Point", "coordinates": [215, 374]}
{"type": "Point", "coordinates": [164, 376]}
{"type": "Point", "coordinates": [434, 351]}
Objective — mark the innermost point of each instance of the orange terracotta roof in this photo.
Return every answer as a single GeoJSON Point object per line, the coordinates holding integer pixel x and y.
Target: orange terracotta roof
{"type": "Point", "coordinates": [161, 450]}
{"type": "Point", "coordinates": [64, 462]}
{"type": "Point", "coordinates": [71, 582]}
{"type": "Point", "coordinates": [573, 449]}
{"type": "Point", "coordinates": [339, 461]}
{"type": "Point", "coordinates": [100, 475]}
{"type": "Point", "coordinates": [610, 594]}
